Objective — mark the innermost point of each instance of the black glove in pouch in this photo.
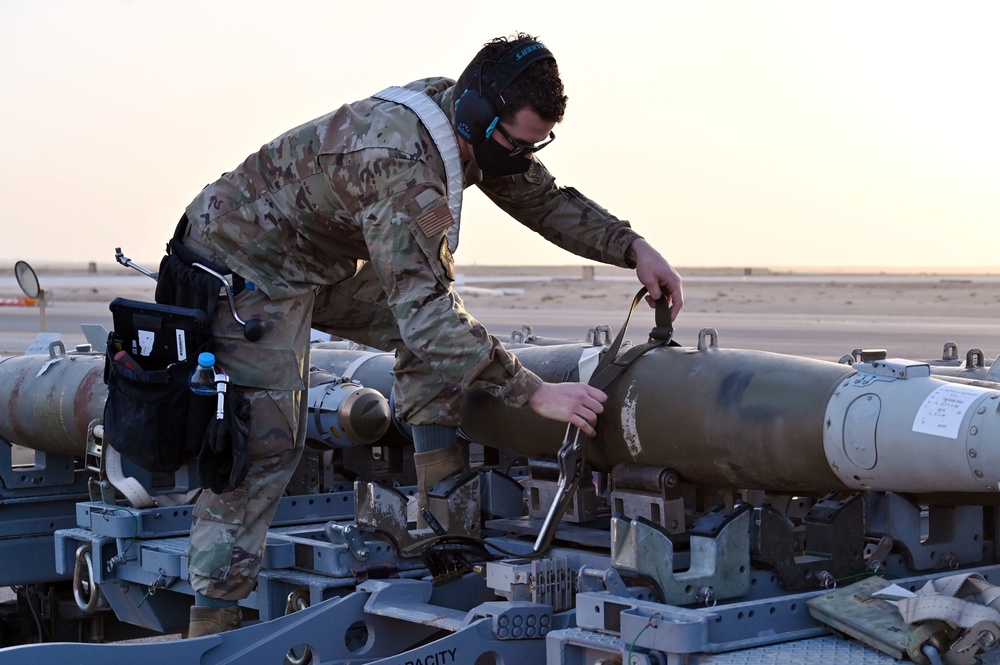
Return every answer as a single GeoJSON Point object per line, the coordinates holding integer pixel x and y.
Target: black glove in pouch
{"type": "Point", "coordinates": [225, 454]}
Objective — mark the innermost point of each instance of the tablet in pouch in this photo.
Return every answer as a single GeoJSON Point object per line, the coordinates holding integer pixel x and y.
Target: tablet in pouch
{"type": "Point", "coordinates": [155, 335]}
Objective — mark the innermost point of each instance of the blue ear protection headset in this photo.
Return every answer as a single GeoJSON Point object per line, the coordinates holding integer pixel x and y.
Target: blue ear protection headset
{"type": "Point", "coordinates": [477, 110]}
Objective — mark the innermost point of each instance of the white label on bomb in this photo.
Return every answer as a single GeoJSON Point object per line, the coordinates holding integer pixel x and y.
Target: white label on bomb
{"type": "Point", "coordinates": [942, 412]}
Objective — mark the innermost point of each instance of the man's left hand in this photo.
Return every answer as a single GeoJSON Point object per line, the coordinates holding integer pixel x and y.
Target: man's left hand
{"type": "Point", "coordinates": [659, 278]}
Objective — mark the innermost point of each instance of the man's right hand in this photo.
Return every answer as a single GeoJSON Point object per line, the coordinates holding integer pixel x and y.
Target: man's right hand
{"type": "Point", "coordinates": [576, 403]}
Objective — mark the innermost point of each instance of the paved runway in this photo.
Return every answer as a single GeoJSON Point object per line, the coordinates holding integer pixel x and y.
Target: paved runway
{"type": "Point", "coordinates": [913, 337]}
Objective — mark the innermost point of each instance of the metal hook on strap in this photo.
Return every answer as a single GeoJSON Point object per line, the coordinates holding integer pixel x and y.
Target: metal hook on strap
{"type": "Point", "coordinates": [572, 456]}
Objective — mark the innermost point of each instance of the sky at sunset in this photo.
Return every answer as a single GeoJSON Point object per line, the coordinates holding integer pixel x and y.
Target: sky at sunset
{"type": "Point", "coordinates": [767, 133]}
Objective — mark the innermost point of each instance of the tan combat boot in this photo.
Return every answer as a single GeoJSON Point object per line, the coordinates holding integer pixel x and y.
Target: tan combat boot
{"type": "Point", "coordinates": [213, 620]}
{"type": "Point", "coordinates": [431, 467]}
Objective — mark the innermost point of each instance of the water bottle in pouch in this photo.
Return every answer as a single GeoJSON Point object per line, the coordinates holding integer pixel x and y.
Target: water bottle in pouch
{"type": "Point", "coordinates": [203, 377]}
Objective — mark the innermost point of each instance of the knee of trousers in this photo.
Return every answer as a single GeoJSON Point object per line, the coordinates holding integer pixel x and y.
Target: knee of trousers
{"type": "Point", "coordinates": [432, 403]}
{"type": "Point", "coordinates": [229, 531]}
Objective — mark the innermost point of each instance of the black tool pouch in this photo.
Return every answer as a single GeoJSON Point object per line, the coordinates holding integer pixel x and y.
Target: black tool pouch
{"type": "Point", "coordinates": [151, 416]}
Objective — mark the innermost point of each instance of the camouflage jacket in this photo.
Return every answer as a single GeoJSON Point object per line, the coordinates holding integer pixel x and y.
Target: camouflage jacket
{"type": "Point", "coordinates": [366, 183]}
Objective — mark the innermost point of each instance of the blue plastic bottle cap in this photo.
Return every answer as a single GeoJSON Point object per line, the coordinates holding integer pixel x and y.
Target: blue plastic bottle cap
{"type": "Point", "coordinates": [206, 359]}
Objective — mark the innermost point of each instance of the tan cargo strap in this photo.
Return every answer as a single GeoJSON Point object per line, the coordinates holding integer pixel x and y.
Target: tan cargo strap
{"type": "Point", "coordinates": [961, 600]}
{"type": "Point", "coordinates": [966, 601]}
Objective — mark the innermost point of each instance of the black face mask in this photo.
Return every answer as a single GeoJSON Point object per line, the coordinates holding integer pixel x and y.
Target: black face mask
{"type": "Point", "coordinates": [494, 160]}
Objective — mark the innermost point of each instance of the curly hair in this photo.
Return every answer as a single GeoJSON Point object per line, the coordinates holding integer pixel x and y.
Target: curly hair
{"type": "Point", "coordinates": [538, 87]}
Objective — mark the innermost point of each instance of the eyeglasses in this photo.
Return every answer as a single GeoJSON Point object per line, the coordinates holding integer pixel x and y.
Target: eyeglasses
{"type": "Point", "coordinates": [520, 147]}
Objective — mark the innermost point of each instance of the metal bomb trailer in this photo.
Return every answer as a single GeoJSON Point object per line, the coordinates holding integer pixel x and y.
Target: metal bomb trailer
{"type": "Point", "coordinates": [727, 499]}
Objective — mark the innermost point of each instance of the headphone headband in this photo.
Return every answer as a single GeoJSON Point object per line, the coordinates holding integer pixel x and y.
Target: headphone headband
{"type": "Point", "coordinates": [478, 108]}
{"type": "Point", "coordinates": [513, 63]}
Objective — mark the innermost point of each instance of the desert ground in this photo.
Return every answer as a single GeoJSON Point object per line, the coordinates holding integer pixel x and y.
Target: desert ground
{"type": "Point", "coordinates": [820, 314]}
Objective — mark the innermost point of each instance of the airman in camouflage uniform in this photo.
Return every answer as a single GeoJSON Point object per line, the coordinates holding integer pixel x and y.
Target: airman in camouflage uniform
{"type": "Point", "coordinates": [342, 224]}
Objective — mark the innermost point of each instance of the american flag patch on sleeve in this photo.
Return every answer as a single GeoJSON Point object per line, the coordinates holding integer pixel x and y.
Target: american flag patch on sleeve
{"type": "Point", "coordinates": [435, 220]}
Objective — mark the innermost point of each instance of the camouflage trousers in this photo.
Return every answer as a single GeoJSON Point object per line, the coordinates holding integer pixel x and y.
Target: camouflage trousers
{"type": "Point", "coordinates": [229, 530]}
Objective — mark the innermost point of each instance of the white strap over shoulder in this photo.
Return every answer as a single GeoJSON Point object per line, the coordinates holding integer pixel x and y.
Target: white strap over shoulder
{"type": "Point", "coordinates": [443, 135]}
